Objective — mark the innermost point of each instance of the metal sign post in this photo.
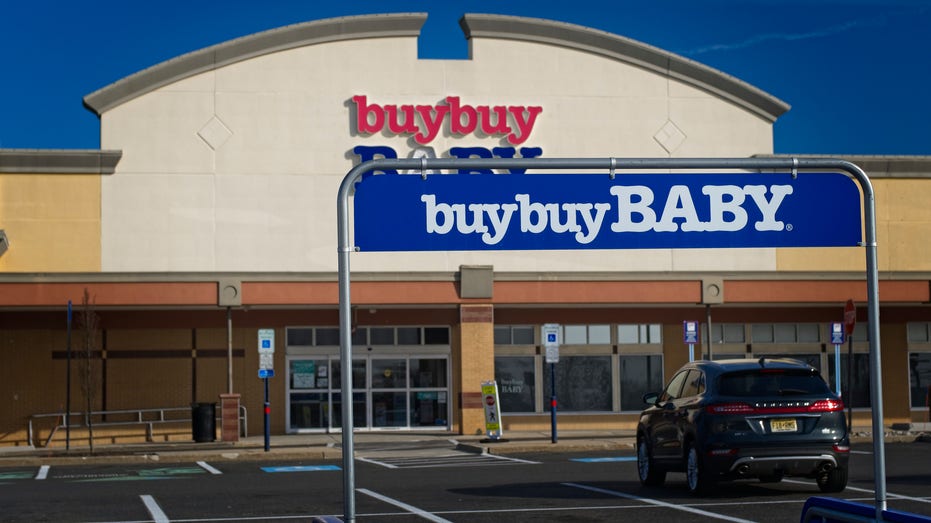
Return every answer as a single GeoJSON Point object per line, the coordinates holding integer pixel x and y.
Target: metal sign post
{"type": "Point", "coordinates": [68, 386]}
{"type": "Point", "coordinates": [850, 321]}
{"type": "Point", "coordinates": [725, 228]}
{"type": "Point", "coordinates": [267, 370]}
{"type": "Point", "coordinates": [551, 341]}
{"type": "Point", "coordinates": [837, 338]}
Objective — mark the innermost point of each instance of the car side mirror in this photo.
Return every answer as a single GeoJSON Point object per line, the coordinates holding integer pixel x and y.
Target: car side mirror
{"type": "Point", "coordinates": [651, 398]}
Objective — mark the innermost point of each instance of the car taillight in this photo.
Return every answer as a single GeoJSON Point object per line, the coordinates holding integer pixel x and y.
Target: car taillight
{"type": "Point", "coordinates": [826, 406]}
{"type": "Point", "coordinates": [730, 408]}
{"type": "Point", "coordinates": [841, 448]}
{"type": "Point", "coordinates": [831, 405]}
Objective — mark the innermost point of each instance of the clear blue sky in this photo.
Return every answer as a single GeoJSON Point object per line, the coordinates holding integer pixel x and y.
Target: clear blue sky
{"type": "Point", "coordinates": [856, 72]}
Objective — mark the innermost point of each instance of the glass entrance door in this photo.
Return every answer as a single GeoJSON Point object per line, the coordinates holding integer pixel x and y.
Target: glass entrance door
{"type": "Point", "coordinates": [389, 392]}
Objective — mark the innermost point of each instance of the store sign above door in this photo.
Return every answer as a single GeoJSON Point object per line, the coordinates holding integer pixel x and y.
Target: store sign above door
{"type": "Point", "coordinates": [593, 211]}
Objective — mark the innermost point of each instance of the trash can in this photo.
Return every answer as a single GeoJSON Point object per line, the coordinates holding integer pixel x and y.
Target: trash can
{"type": "Point", "coordinates": [204, 421]}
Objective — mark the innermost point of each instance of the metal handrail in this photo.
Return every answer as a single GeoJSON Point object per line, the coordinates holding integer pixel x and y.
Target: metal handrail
{"type": "Point", "coordinates": [145, 417]}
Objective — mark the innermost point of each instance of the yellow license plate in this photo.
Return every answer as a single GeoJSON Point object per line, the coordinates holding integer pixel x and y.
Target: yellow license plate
{"type": "Point", "coordinates": [783, 425]}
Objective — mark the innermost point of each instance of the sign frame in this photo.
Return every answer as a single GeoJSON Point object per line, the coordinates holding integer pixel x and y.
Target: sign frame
{"type": "Point", "coordinates": [600, 166]}
{"type": "Point", "coordinates": [551, 341]}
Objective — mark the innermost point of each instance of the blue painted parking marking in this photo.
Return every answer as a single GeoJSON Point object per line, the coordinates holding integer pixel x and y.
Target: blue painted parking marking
{"type": "Point", "coordinates": [605, 460]}
{"type": "Point", "coordinates": [301, 468]}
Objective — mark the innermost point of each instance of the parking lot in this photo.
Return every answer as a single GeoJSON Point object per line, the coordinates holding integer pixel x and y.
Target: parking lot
{"type": "Point", "coordinates": [438, 484]}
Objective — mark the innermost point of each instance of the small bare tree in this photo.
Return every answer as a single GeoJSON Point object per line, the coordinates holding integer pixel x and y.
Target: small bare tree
{"type": "Point", "coordinates": [89, 375]}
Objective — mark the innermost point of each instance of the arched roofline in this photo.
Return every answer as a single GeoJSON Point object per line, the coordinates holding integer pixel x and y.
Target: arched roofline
{"type": "Point", "coordinates": [246, 47]}
{"type": "Point", "coordinates": [626, 50]}
{"type": "Point", "coordinates": [409, 24]}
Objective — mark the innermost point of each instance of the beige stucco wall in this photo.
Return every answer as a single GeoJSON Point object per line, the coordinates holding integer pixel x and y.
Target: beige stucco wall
{"type": "Point", "coordinates": [903, 219]}
{"type": "Point", "coordinates": [262, 197]}
{"type": "Point", "coordinates": [52, 221]}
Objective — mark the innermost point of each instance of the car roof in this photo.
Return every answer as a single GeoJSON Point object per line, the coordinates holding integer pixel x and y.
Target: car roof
{"type": "Point", "coordinates": [744, 364]}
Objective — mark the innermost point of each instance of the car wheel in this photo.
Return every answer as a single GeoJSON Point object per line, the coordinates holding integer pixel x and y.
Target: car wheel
{"type": "Point", "coordinates": [833, 481]}
{"type": "Point", "coordinates": [649, 474]}
{"type": "Point", "coordinates": [697, 475]}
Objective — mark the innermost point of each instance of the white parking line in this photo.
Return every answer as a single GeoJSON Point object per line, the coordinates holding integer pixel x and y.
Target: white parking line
{"type": "Point", "coordinates": [154, 510]}
{"type": "Point", "coordinates": [658, 503]}
{"type": "Point", "coordinates": [855, 489]}
{"type": "Point", "coordinates": [413, 510]}
{"type": "Point", "coordinates": [43, 472]}
{"type": "Point", "coordinates": [204, 465]}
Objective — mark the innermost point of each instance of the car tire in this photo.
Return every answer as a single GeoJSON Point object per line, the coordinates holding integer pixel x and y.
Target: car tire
{"type": "Point", "coordinates": [833, 481]}
{"type": "Point", "coordinates": [697, 476]}
{"type": "Point", "coordinates": [650, 475]}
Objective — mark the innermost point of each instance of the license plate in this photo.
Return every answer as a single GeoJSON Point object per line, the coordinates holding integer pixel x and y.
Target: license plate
{"type": "Point", "coordinates": [783, 425]}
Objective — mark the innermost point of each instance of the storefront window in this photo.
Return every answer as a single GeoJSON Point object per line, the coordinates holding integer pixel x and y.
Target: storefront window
{"type": "Point", "coordinates": [428, 373]}
{"type": "Point", "coordinates": [919, 372]}
{"type": "Point", "coordinates": [856, 392]}
{"type": "Point", "coordinates": [389, 409]}
{"type": "Point", "coordinates": [583, 384]}
{"type": "Point", "coordinates": [429, 408]}
{"type": "Point", "coordinates": [310, 411]}
{"type": "Point", "coordinates": [358, 374]}
{"type": "Point", "coordinates": [785, 332]}
{"type": "Point", "coordinates": [389, 373]}
{"type": "Point", "coordinates": [359, 418]}
{"type": "Point", "coordinates": [638, 334]}
{"type": "Point", "coordinates": [724, 333]}
{"type": "Point", "coordinates": [308, 374]}
{"type": "Point", "coordinates": [515, 378]}
{"type": "Point", "coordinates": [639, 374]}
{"type": "Point", "coordinates": [586, 334]}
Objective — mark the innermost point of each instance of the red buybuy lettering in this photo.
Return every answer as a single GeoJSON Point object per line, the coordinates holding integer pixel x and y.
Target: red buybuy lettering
{"type": "Point", "coordinates": [424, 122]}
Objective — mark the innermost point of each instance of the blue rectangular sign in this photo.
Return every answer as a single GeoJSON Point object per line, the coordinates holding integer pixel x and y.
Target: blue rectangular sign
{"type": "Point", "coordinates": [458, 212]}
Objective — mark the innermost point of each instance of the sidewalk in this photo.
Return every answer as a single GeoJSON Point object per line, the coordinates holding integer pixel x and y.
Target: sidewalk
{"type": "Point", "coordinates": [329, 446]}
{"type": "Point", "coordinates": [314, 447]}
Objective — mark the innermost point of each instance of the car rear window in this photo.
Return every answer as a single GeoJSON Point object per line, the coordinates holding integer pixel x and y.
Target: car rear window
{"type": "Point", "coordinates": [772, 382]}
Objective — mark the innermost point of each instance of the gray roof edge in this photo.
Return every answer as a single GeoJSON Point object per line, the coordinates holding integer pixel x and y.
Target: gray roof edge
{"type": "Point", "coordinates": [243, 48]}
{"type": "Point", "coordinates": [58, 161]}
{"type": "Point", "coordinates": [626, 50]}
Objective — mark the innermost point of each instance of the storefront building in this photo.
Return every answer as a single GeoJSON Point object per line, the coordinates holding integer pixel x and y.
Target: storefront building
{"type": "Point", "coordinates": [209, 213]}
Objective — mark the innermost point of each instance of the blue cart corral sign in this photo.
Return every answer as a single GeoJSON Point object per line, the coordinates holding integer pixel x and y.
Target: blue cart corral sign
{"type": "Point", "coordinates": [592, 211]}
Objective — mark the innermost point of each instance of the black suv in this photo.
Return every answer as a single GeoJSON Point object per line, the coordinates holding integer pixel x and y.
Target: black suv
{"type": "Point", "coordinates": [743, 418]}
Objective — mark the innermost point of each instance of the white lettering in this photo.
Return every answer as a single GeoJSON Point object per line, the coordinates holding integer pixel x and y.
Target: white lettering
{"type": "Point", "coordinates": [768, 207]}
{"type": "Point", "coordinates": [720, 207]}
{"type": "Point", "coordinates": [434, 209]}
{"type": "Point", "coordinates": [498, 223]}
{"type": "Point", "coordinates": [627, 208]}
{"type": "Point", "coordinates": [728, 210]}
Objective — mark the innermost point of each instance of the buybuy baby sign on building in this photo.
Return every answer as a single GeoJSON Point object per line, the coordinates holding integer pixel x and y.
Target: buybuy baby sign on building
{"type": "Point", "coordinates": [593, 211]}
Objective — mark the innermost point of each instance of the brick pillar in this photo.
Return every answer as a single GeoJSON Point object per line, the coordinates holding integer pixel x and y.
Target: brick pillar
{"type": "Point", "coordinates": [476, 364]}
{"type": "Point", "coordinates": [229, 417]}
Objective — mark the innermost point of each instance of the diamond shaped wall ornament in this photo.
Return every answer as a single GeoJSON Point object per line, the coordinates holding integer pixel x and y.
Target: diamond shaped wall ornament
{"type": "Point", "coordinates": [670, 137]}
{"type": "Point", "coordinates": [215, 133]}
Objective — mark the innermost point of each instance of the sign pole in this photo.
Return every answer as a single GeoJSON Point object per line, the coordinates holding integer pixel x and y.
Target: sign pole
{"type": "Point", "coordinates": [267, 370]}
{"type": "Point", "coordinates": [68, 386]}
{"type": "Point", "coordinates": [551, 348]}
{"type": "Point", "coordinates": [268, 411]}
{"type": "Point", "coordinates": [850, 321]}
{"type": "Point", "coordinates": [554, 434]}
{"type": "Point", "coordinates": [837, 338]}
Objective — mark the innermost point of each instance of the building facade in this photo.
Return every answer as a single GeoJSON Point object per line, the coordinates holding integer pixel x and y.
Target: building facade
{"type": "Point", "coordinates": [209, 213]}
